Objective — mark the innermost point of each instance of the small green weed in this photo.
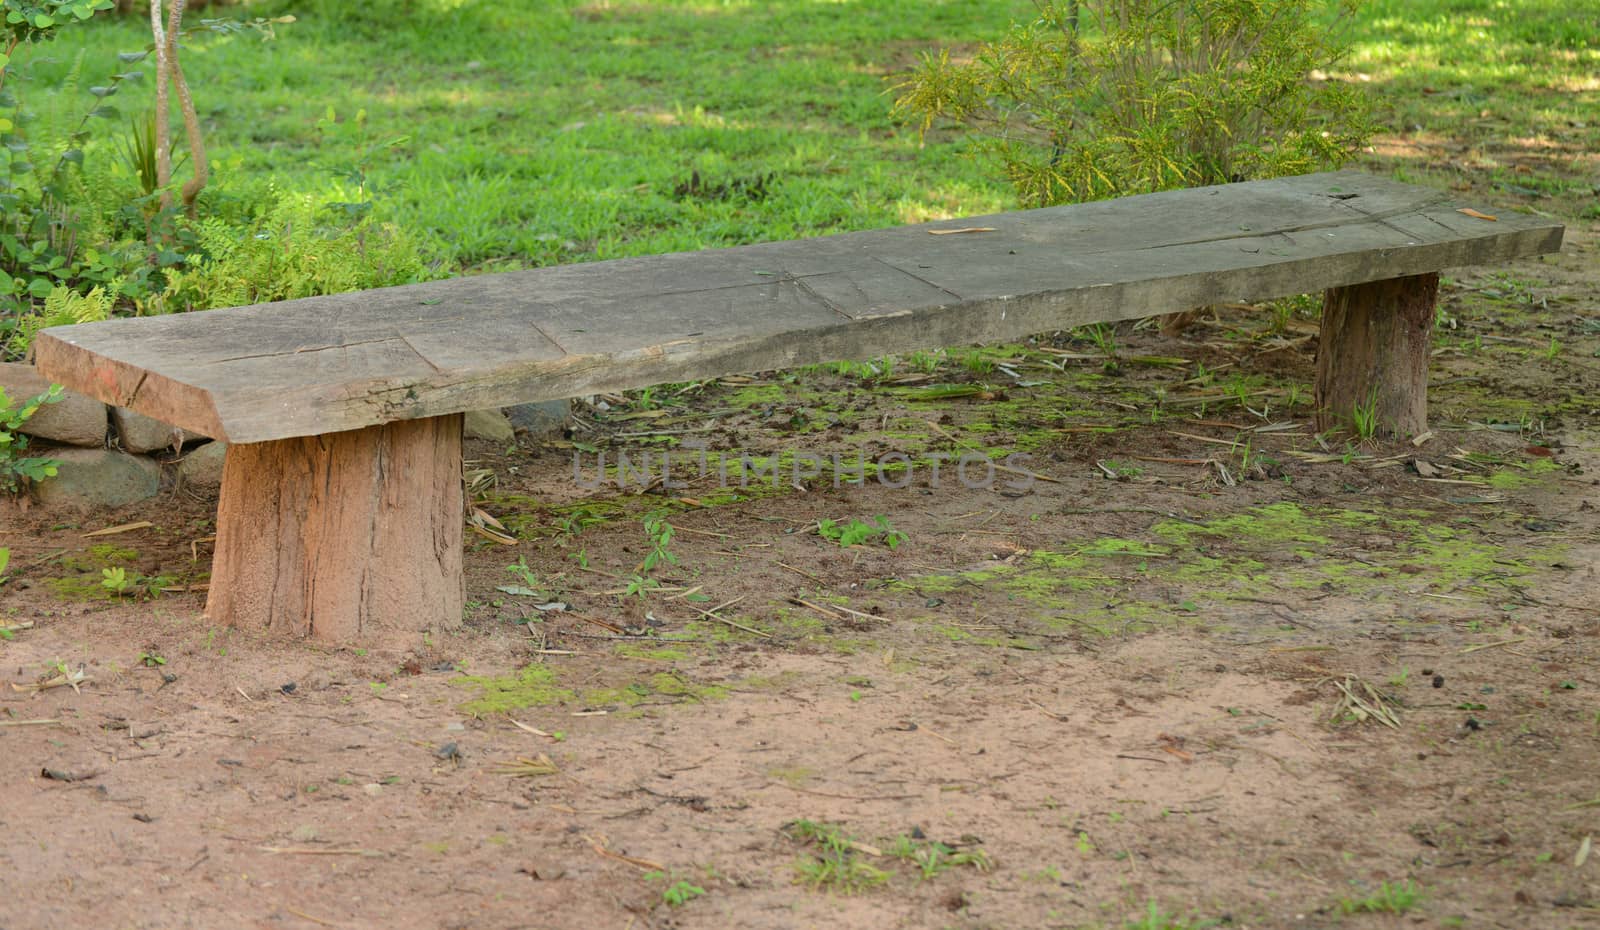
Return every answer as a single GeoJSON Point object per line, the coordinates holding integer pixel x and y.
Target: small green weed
{"type": "Point", "coordinates": [975, 361]}
{"type": "Point", "coordinates": [1122, 470]}
{"type": "Point", "coordinates": [660, 533]}
{"type": "Point", "coordinates": [120, 582]}
{"type": "Point", "coordinates": [835, 862]}
{"type": "Point", "coordinates": [1364, 417]}
{"type": "Point", "coordinates": [530, 584]}
{"type": "Point", "coordinates": [933, 858]}
{"type": "Point", "coordinates": [15, 470]}
{"type": "Point", "coordinates": [1154, 918]}
{"type": "Point", "coordinates": [1397, 898]}
{"type": "Point", "coordinates": [859, 532]}
{"type": "Point", "coordinates": [676, 893]}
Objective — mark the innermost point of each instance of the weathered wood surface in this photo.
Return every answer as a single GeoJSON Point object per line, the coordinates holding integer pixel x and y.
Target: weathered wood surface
{"type": "Point", "coordinates": [1373, 354]}
{"type": "Point", "coordinates": [353, 537]}
{"type": "Point", "coordinates": [343, 362]}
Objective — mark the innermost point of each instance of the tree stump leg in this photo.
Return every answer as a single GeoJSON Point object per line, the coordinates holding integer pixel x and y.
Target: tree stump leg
{"type": "Point", "coordinates": [347, 537]}
{"type": "Point", "coordinates": [1373, 354]}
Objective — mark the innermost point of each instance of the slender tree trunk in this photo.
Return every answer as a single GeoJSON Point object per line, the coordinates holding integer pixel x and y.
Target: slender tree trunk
{"type": "Point", "coordinates": [163, 140]}
{"type": "Point", "coordinates": [191, 119]}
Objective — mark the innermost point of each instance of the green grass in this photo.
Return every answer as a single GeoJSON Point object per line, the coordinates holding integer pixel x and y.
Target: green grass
{"type": "Point", "coordinates": [520, 133]}
{"type": "Point", "coordinates": [1397, 898]}
{"type": "Point", "coordinates": [834, 861]}
{"type": "Point", "coordinates": [541, 132]}
{"type": "Point", "coordinates": [1504, 91]}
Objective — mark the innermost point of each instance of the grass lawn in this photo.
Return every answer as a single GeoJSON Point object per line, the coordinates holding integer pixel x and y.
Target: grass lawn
{"type": "Point", "coordinates": [504, 135]}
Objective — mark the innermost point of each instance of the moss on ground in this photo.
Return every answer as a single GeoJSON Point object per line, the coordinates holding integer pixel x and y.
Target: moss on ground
{"type": "Point", "coordinates": [1215, 565]}
{"type": "Point", "coordinates": [539, 685]}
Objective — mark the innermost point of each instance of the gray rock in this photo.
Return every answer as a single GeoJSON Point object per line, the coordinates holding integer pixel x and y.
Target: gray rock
{"type": "Point", "coordinates": [139, 433]}
{"type": "Point", "coordinates": [201, 468]}
{"type": "Point", "coordinates": [544, 419]}
{"type": "Point", "coordinates": [74, 419]}
{"type": "Point", "coordinates": [98, 478]}
{"type": "Point", "coordinates": [488, 424]}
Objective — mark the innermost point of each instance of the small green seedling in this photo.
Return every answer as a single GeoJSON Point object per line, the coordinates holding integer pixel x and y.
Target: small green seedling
{"type": "Point", "coordinates": [119, 582]}
{"type": "Point", "coordinates": [678, 893]}
{"type": "Point", "coordinates": [115, 580]}
{"type": "Point", "coordinates": [660, 534]}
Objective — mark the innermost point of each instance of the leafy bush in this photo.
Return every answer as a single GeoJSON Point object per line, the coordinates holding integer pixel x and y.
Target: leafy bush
{"type": "Point", "coordinates": [286, 253]}
{"type": "Point", "coordinates": [63, 307]}
{"type": "Point", "coordinates": [64, 221]}
{"type": "Point", "coordinates": [101, 229]}
{"type": "Point", "coordinates": [14, 469]}
{"type": "Point", "coordinates": [1104, 98]}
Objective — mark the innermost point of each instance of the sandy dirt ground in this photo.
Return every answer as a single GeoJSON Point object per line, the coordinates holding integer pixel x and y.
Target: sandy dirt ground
{"type": "Point", "coordinates": [1214, 667]}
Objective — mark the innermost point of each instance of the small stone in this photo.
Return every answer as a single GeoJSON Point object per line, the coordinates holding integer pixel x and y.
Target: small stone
{"type": "Point", "coordinates": [74, 419]}
{"type": "Point", "coordinates": [544, 419]}
{"type": "Point", "coordinates": [490, 425]}
{"type": "Point", "coordinates": [91, 478]}
{"type": "Point", "coordinates": [201, 468]}
{"type": "Point", "coordinates": [139, 433]}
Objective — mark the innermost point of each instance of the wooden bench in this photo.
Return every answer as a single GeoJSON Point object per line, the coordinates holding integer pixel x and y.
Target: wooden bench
{"type": "Point", "coordinates": [341, 507]}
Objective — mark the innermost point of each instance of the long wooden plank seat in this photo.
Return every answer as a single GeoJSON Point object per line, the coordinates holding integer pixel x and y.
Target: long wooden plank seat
{"type": "Point", "coordinates": [340, 514]}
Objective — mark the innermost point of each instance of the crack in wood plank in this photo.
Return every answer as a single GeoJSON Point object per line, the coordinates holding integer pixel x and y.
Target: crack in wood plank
{"type": "Point", "coordinates": [425, 360]}
{"type": "Point", "coordinates": [304, 350]}
{"type": "Point", "coordinates": [1380, 218]}
{"type": "Point", "coordinates": [548, 338]}
{"type": "Point", "coordinates": [134, 394]}
{"type": "Point", "coordinates": [809, 291]}
{"type": "Point", "coordinates": [916, 277]}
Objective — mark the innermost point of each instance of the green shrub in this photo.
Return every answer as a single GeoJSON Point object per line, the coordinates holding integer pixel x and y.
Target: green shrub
{"type": "Point", "coordinates": [65, 220]}
{"type": "Point", "coordinates": [286, 253]}
{"type": "Point", "coordinates": [1104, 98]}
{"type": "Point", "coordinates": [95, 226]}
{"type": "Point", "coordinates": [63, 307]}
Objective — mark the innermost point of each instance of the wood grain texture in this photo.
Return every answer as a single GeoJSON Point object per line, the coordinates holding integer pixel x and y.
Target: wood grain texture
{"type": "Point", "coordinates": [349, 361]}
{"type": "Point", "coordinates": [1373, 352]}
{"type": "Point", "coordinates": [350, 537]}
